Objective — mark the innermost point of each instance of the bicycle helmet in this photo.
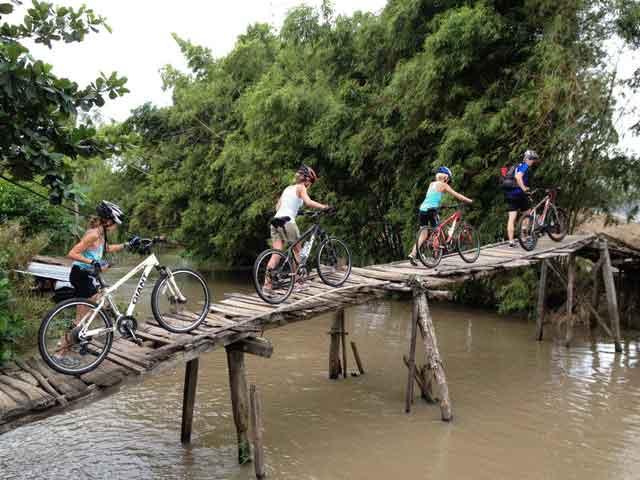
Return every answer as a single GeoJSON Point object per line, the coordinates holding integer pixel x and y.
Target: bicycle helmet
{"type": "Point", "coordinates": [307, 173]}
{"type": "Point", "coordinates": [531, 155]}
{"type": "Point", "coordinates": [446, 171]}
{"type": "Point", "coordinates": [110, 211]}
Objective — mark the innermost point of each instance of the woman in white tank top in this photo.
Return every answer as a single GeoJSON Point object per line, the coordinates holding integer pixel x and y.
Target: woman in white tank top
{"type": "Point", "coordinates": [292, 198]}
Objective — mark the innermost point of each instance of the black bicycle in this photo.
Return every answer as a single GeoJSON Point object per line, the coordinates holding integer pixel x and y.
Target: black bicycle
{"type": "Point", "coordinates": [276, 272]}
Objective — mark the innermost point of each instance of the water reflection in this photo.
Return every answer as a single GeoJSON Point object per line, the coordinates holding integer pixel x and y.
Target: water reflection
{"type": "Point", "coordinates": [522, 409]}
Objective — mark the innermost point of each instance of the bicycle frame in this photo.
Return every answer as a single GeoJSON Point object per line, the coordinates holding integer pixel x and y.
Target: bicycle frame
{"type": "Point", "coordinates": [453, 219]}
{"type": "Point", "coordinates": [145, 267]}
{"type": "Point", "coordinates": [311, 233]}
{"type": "Point", "coordinates": [547, 200]}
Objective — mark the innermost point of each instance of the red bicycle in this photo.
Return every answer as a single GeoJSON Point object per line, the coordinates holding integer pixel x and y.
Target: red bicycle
{"type": "Point", "coordinates": [545, 217]}
{"type": "Point", "coordinates": [433, 243]}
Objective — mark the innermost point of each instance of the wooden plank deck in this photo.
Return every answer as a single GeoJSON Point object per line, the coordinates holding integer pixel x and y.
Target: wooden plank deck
{"type": "Point", "coordinates": [30, 390]}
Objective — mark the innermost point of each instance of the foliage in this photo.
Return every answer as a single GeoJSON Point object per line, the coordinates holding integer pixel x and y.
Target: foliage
{"type": "Point", "coordinates": [38, 129]}
{"type": "Point", "coordinates": [518, 294]}
{"type": "Point", "coordinates": [375, 103]}
{"type": "Point", "coordinates": [35, 214]}
{"type": "Point", "coordinates": [19, 309]}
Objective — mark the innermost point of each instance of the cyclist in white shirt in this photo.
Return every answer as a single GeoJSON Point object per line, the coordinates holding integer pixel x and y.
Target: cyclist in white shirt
{"type": "Point", "coordinates": [283, 225]}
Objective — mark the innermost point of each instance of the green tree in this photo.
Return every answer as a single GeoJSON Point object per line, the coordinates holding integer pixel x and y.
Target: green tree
{"type": "Point", "coordinates": [376, 103]}
{"type": "Point", "coordinates": [38, 131]}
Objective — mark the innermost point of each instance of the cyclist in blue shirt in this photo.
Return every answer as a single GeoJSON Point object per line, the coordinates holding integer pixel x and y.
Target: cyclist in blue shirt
{"type": "Point", "coordinates": [517, 198]}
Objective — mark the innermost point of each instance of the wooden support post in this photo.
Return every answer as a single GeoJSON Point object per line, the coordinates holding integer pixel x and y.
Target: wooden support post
{"type": "Point", "coordinates": [189, 399]}
{"type": "Point", "coordinates": [610, 288]}
{"type": "Point", "coordinates": [571, 282]}
{"type": "Point", "coordinates": [433, 362]}
{"type": "Point", "coordinates": [356, 356]}
{"type": "Point", "coordinates": [343, 337]}
{"type": "Point", "coordinates": [239, 402]}
{"type": "Point", "coordinates": [412, 355]}
{"type": "Point", "coordinates": [542, 293]}
{"type": "Point", "coordinates": [595, 293]}
{"type": "Point", "coordinates": [257, 428]}
{"type": "Point", "coordinates": [334, 349]}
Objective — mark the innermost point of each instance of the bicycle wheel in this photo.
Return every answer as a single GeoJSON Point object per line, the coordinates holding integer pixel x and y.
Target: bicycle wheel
{"type": "Point", "coordinates": [556, 224]}
{"type": "Point", "coordinates": [468, 243]}
{"type": "Point", "coordinates": [180, 300]}
{"type": "Point", "coordinates": [61, 345]}
{"type": "Point", "coordinates": [334, 262]}
{"type": "Point", "coordinates": [274, 285]}
{"type": "Point", "coordinates": [527, 234]}
{"type": "Point", "coordinates": [428, 247]}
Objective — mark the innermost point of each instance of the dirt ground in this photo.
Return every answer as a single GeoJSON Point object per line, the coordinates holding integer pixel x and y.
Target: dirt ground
{"type": "Point", "coordinates": [626, 232]}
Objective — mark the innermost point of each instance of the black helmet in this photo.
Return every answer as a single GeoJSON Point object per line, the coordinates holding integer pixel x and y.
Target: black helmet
{"type": "Point", "coordinates": [110, 211]}
{"type": "Point", "coordinates": [531, 155]}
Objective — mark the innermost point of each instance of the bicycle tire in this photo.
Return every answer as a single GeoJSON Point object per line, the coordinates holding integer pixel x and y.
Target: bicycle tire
{"type": "Point", "coordinates": [287, 284]}
{"type": "Point", "coordinates": [558, 230]}
{"type": "Point", "coordinates": [189, 320]}
{"type": "Point", "coordinates": [44, 327]}
{"type": "Point", "coordinates": [429, 255]}
{"type": "Point", "coordinates": [469, 255]}
{"type": "Point", "coordinates": [527, 235]}
{"type": "Point", "coordinates": [325, 274]}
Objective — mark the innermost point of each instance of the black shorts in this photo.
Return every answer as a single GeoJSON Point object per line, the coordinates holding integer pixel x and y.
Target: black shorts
{"type": "Point", "coordinates": [86, 285]}
{"type": "Point", "coordinates": [430, 218]}
{"type": "Point", "coordinates": [520, 203]}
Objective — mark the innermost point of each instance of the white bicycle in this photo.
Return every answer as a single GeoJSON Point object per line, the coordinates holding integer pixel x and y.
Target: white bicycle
{"type": "Point", "coordinates": [77, 334]}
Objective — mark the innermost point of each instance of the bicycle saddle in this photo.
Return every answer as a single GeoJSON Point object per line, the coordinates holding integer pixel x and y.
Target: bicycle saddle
{"type": "Point", "coordinates": [278, 222]}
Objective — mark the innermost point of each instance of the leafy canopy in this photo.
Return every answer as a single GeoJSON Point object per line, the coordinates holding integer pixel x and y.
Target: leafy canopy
{"type": "Point", "coordinates": [38, 110]}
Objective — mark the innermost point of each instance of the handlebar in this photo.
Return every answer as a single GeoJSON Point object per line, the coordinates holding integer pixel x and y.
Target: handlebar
{"type": "Point", "coordinates": [318, 213]}
{"type": "Point", "coordinates": [547, 191]}
{"type": "Point", "coordinates": [457, 206]}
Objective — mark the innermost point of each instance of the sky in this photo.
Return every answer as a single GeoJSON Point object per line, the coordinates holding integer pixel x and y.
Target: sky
{"type": "Point", "coordinates": [141, 44]}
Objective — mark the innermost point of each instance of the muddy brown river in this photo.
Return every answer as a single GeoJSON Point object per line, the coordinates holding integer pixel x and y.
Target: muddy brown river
{"type": "Point", "coordinates": [523, 410]}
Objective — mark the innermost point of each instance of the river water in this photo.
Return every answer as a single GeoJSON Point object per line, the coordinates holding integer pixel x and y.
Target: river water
{"type": "Point", "coordinates": [522, 409]}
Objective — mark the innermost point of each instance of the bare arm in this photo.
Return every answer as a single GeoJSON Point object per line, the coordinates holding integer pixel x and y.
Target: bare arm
{"type": "Point", "coordinates": [302, 193]}
{"type": "Point", "coordinates": [520, 182]}
{"type": "Point", "coordinates": [84, 244]}
{"type": "Point", "coordinates": [457, 195]}
{"type": "Point", "coordinates": [115, 248]}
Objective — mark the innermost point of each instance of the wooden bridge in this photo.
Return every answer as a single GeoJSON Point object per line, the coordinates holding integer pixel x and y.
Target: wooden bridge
{"type": "Point", "coordinates": [30, 391]}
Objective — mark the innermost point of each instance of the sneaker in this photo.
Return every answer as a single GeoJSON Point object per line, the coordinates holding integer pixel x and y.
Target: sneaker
{"type": "Point", "coordinates": [412, 260]}
{"type": "Point", "coordinates": [512, 244]}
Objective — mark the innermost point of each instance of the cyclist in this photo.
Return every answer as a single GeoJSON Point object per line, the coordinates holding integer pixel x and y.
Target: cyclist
{"type": "Point", "coordinates": [428, 212]}
{"type": "Point", "coordinates": [516, 197]}
{"type": "Point", "coordinates": [88, 257]}
{"type": "Point", "coordinates": [283, 225]}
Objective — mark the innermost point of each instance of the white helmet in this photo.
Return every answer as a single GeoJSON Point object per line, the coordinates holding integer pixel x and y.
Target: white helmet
{"type": "Point", "coordinates": [110, 211]}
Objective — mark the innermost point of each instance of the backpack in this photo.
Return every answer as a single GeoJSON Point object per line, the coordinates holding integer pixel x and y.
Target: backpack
{"type": "Point", "coordinates": [508, 177]}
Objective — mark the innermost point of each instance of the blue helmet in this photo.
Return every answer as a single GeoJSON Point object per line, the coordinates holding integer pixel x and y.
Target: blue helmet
{"type": "Point", "coordinates": [446, 171]}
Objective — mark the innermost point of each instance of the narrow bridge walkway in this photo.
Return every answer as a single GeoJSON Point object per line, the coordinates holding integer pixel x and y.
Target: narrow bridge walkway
{"type": "Point", "coordinates": [30, 391]}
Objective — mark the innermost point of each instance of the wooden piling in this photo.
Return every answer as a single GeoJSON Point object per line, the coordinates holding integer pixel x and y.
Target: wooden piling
{"type": "Point", "coordinates": [610, 288]}
{"type": "Point", "coordinates": [595, 292]}
{"type": "Point", "coordinates": [412, 355]}
{"type": "Point", "coordinates": [571, 281]}
{"type": "Point", "coordinates": [356, 356]}
{"type": "Point", "coordinates": [334, 349]}
{"type": "Point", "coordinates": [189, 399]}
{"type": "Point", "coordinates": [542, 292]}
{"type": "Point", "coordinates": [433, 362]}
{"type": "Point", "coordinates": [239, 402]}
{"type": "Point", "coordinates": [343, 337]}
{"type": "Point", "coordinates": [257, 428]}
